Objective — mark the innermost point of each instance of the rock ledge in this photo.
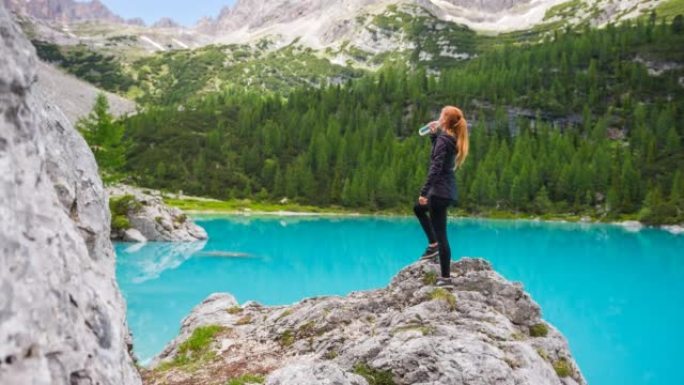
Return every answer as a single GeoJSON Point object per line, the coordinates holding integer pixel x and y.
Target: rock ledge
{"type": "Point", "coordinates": [483, 330]}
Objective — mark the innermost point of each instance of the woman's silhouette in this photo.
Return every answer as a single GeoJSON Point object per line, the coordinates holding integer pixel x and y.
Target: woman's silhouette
{"type": "Point", "coordinates": [449, 150]}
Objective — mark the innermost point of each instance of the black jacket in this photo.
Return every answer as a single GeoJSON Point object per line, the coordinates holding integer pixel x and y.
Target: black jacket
{"type": "Point", "coordinates": [441, 179]}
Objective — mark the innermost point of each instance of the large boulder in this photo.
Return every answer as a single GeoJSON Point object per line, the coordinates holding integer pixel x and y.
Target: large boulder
{"type": "Point", "coordinates": [482, 330]}
{"type": "Point", "coordinates": [62, 317]}
{"type": "Point", "coordinates": [145, 211]}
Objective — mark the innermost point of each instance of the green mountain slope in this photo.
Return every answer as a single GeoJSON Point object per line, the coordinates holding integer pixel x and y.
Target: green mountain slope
{"type": "Point", "coordinates": [588, 123]}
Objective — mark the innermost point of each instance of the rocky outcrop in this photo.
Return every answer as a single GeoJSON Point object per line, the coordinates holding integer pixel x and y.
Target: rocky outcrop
{"type": "Point", "coordinates": [140, 215]}
{"type": "Point", "coordinates": [62, 317]}
{"type": "Point", "coordinates": [483, 330]}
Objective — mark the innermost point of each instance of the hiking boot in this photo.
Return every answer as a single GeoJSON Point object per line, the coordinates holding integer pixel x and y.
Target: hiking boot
{"type": "Point", "coordinates": [430, 253]}
{"type": "Point", "coordinates": [444, 282]}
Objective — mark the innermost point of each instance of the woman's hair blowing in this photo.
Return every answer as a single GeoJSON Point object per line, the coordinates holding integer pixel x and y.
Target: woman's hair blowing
{"type": "Point", "coordinates": [458, 126]}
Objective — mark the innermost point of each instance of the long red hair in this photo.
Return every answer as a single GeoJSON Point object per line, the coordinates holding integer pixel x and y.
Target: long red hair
{"type": "Point", "coordinates": [457, 125]}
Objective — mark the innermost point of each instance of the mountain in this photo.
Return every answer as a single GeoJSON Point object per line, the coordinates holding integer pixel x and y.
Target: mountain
{"type": "Point", "coordinates": [319, 23]}
{"type": "Point", "coordinates": [63, 11]}
{"type": "Point", "coordinates": [277, 45]}
{"type": "Point", "coordinates": [166, 22]}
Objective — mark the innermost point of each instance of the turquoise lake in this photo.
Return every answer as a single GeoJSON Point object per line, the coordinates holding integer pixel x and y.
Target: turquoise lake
{"type": "Point", "coordinates": [617, 295]}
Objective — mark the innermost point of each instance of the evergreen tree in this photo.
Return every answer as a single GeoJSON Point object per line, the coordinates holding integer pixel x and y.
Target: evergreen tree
{"type": "Point", "coordinates": [105, 138]}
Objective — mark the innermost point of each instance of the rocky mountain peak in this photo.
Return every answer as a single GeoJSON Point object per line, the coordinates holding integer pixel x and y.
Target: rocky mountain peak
{"type": "Point", "coordinates": [166, 22]}
{"type": "Point", "coordinates": [63, 11]}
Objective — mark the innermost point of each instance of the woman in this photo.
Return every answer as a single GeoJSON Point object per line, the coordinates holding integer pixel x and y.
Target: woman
{"type": "Point", "coordinates": [449, 150]}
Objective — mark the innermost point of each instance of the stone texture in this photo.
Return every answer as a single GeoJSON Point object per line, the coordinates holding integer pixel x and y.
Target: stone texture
{"type": "Point", "coordinates": [133, 235]}
{"type": "Point", "coordinates": [476, 332]}
{"type": "Point", "coordinates": [62, 318]}
{"type": "Point", "coordinates": [155, 220]}
{"type": "Point", "coordinates": [314, 373]}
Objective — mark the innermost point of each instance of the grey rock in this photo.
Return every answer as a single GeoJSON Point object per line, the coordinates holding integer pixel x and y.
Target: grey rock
{"type": "Point", "coordinates": [314, 373]}
{"type": "Point", "coordinates": [133, 235]}
{"type": "Point", "coordinates": [211, 311]}
{"type": "Point", "coordinates": [477, 332]}
{"type": "Point", "coordinates": [155, 220]}
{"type": "Point", "coordinates": [62, 317]}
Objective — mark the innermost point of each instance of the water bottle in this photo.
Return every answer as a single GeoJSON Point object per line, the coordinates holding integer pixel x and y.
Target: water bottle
{"type": "Point", "coordinates": [426, 129]}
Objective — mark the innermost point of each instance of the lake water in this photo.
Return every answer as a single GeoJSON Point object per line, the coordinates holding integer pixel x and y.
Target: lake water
{"type": "Point", "coordinates": [618, 296]}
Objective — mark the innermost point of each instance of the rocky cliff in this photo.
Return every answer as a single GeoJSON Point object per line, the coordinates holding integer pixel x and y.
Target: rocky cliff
{"type": "Point", "coordinates": [483, 330]}
{"type": "Point", "coordinates": [62, 317]}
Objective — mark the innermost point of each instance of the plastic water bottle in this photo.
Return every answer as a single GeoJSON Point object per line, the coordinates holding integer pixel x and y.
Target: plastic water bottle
{"type": "Point", "coordinates": [426, 129]}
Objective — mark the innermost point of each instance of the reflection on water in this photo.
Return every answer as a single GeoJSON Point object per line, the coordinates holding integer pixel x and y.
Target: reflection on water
{"type": "Point", "coordinates": [151, 259]}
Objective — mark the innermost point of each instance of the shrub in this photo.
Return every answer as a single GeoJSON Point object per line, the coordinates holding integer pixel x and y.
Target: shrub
{"type": "Point", "coordinates": [246, 379]}
{"type": "Point", "coordinates": [124, 205]}
{"type": "Point", "coordinates": [430, 278]}
{"type": "Point", "coordinates": [120, 223]}
{"type": "Point", "coordinates": [562, 367]}
{"type": "Point", "coordinates": [194, 351]}
{"type": "Point", "coordinates": [444, 295]}
{"type": "Point", "coordinates": [234, 310]}
{"type": "Point", "coordinates": [286, 339]}
{"type": "Point", "coordinates": [539, 330]}
{"type": "Point", "coordinates": [374, 376]}
{"type": "Point", "coordinates": [199, 340]}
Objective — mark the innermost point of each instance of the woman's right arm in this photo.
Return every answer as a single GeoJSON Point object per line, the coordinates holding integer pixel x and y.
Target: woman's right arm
{"type": "Point", "coordinates": [436, 164]}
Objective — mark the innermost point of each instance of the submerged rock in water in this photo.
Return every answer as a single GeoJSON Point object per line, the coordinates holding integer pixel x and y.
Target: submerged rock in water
{"type": "Point", "coordinates": [135, 208]}
{"type": "Point", "coordinates": [483, 330]}
{"type": "Point", "coordinates": [225, 254]}
{"type": "Point", "coordinates": [674, 229]}
{"type": "Point", "coordinates": [62, 317]}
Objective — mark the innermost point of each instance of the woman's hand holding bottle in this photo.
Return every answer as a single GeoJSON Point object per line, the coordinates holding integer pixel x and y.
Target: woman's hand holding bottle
{"type": "Point", "coordinates": [429, 128]}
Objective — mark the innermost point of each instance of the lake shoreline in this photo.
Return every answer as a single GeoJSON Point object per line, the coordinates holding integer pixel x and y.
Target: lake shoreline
{"type": "Point", "coordinates": [630, 225]}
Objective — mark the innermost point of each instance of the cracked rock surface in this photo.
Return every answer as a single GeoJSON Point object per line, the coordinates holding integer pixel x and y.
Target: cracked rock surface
{"type": "Point", "coordinates": [62, 317]}
{"type": "Point", "coordinates": [483, 330]}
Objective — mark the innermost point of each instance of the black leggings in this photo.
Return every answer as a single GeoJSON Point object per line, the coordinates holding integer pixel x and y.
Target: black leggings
{"type": "Point", "coordinates": [435, 228]}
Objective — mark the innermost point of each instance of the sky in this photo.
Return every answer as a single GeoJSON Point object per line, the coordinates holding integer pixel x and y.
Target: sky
{"type": "Point", "coordinates": [186, 12]}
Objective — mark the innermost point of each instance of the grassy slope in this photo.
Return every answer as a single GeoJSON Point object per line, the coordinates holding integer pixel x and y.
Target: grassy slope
{"type": "Point", "coordinates": [238, 206]}
{"type": "Point", "coordinates": [670, 8]}
{"type": "Point", "coordinates": [172, 77]}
